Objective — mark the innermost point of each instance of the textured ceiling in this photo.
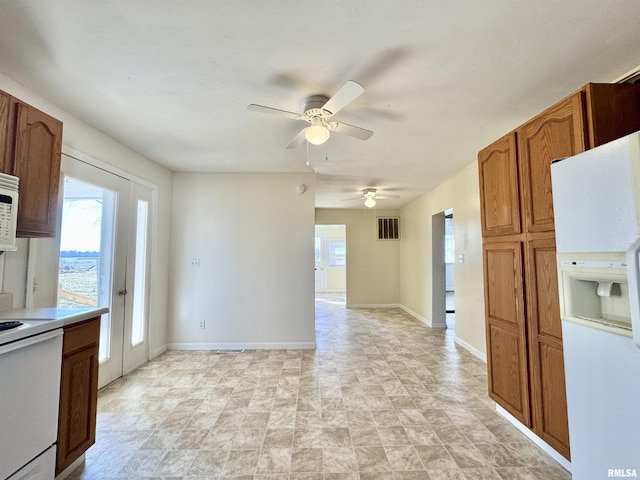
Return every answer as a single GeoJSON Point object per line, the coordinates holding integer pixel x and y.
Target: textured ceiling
{"type": "Point", "coordinates": [172, 79]}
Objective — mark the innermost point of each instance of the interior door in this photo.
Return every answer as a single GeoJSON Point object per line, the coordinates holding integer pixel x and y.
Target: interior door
{"type": "Point", "coordinates": [93, 253]}
{"type": "Point", "coordinates": [320, 255]}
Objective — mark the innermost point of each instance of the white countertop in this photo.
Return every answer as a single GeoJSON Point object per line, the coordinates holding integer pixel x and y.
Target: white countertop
{"type": "Point", "coordinates": [40, 320]}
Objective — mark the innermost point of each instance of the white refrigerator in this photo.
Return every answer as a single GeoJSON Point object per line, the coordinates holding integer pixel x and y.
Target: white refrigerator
{"type": "Point", "coordinates": [596, 201]}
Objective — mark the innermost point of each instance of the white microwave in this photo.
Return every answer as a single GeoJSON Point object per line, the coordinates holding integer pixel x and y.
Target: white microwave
{"type": "Point", "coordinates": [8, 212]}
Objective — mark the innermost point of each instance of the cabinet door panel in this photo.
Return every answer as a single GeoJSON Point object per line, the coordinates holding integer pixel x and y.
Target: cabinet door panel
{"type": "Point", "coordinates": [499, 198]}
{"type": "Point", "coordinates": [557, 132]}
{"type": "Point", "coordinates": [555, 425]}
{"type": "Point", "coordinates": [5, 102]}
{"type": "Point", "coordinates": [508, 382]}
{"type": "Point", "coordinates": [504, 298]}
{"type": "Point", "coordinates": [548, 395]}
{"type": "Point", "coordinates": [613, 111]}
{"type": "Point", "coordinates": [78, 392]}
{"type": "Point", "coordinates": [542, 288]}
{"type": "Point", "coordinates": [506, 335]}
{"type": "Point", "coordinates": [38, 144]}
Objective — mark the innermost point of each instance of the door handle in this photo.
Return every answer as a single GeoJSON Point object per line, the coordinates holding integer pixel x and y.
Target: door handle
{"type": "Point", "coordinates": [122, 292]}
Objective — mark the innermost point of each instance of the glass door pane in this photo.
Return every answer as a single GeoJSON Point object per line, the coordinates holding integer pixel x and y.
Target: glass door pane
{"type": "Point", "coordinates": [136, 313]}
{"type": "Point", "coordinates": [86, 251]}
{"type": "Point", "coordinates": [95, 226]}
{"type": "Point", "coordinates": [140, 275]}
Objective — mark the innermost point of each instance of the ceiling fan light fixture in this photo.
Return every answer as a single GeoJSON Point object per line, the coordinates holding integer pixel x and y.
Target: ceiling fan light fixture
{"type": "Point", "coordinates": [370, 202]}
{"type": "Point", "coordinates": [317, 133]}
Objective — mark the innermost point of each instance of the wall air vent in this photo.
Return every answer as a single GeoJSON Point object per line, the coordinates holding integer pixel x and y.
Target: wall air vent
{"type": "Point", "coordinates": [388, 228]}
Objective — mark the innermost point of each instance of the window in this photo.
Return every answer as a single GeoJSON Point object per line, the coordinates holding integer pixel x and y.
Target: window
{"type": "Point", "coordinates": [337, 253]}
{"type": "Point", "coordinates": [448, 249]}
{"type": "Point", "coordinates": [449, 256]}
{"type": "Point", "coordinates": [318, 249]}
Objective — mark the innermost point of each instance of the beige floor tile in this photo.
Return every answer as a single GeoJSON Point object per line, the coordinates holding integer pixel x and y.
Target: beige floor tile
{"type": "Point", "coordinates": [382, 397]}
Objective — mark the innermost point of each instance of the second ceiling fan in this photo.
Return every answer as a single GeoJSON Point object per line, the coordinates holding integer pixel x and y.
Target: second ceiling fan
{"type": "Point", "coordinates": [318, 110]}
{"type": "Point", "coordinates": [371, 197]}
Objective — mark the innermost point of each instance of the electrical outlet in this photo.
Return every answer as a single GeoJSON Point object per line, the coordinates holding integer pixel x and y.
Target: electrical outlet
{"type": "Point", "coordinates": [202, 324]}
{"type": "Point", "coordinates": [195, 262]}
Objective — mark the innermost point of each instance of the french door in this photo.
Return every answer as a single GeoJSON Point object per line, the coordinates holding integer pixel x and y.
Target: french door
{"type": "Point", "coordinates": [104, 258]}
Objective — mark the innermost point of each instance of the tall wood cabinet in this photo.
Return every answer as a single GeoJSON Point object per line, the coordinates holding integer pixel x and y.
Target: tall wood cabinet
{"type": "Point", "coordinates": [30, 148]}
{"type": "Point", "coordinates": [524, 335]}
{"type": "Point", "coordinates": [78, 392]}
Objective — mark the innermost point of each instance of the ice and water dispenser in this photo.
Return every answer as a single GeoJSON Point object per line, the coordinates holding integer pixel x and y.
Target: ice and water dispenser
{"type": "Point", "coordinates": [594, 290]}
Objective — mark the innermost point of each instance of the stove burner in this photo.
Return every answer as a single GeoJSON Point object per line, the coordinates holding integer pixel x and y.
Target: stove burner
{"type": "Point", "coordinates": [9, 325]}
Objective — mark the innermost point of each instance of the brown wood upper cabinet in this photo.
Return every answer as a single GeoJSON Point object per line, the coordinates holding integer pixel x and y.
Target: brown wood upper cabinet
{"type": "Point", "coordinates": [557, 132]}
{"type": "Point", "coordinates": [498, 170]}
{"type": "Point", "coordinates": [596, 114]}
{"type": "Point", "coordinates": [31, 144]}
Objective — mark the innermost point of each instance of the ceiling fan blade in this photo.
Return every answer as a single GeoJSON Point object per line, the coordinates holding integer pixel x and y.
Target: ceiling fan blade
{"type": "Point", "coordinates": [383, 197]}
{"type": "Point", "coordinates": [298, 140]}
{"type": "Point", "coordinates": [354, 198]}
{"type": "Point", "coordinates": [347, 94]}
{"type": "Point", "coordinates": [351, 130]}
{"type": "Point", "coordinates": [273, 111]}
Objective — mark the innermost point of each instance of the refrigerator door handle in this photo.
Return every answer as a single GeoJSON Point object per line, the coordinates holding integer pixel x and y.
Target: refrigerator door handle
{"type": "Point", "coordinates": [633, 275]}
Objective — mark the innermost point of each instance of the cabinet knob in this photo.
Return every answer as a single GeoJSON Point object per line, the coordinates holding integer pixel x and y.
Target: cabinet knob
{"type": "Point", "coordinates": [122, 292]}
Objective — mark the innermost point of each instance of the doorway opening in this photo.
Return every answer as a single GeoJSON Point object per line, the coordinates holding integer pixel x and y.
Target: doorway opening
{"type": "Point", "coordinates": [331, 263]}
{"type": "Point", "coordinates": [442, 262]}
{"type": "Point", "coordinates": [449, 264]}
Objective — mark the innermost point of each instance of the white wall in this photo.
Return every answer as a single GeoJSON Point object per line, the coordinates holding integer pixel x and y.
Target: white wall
{"type": "Point", "coordinates": [373, 274]}
{"type": "Point", "coordinates": [90, 141]}
{"type": "Point", "coordinates": [254, 237]}
{"type": "Point", "coordinates": [461, 193]}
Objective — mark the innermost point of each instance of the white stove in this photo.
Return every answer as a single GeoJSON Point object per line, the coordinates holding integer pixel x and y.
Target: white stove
{"type": "Point", "coordinates": [30, 384]}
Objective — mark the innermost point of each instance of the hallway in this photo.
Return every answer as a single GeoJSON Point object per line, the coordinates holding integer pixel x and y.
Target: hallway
{"type": "Point", "coordinates": [382, 397]}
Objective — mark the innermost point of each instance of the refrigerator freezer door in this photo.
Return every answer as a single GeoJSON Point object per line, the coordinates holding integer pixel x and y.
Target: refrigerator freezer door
{"type": "Point", "coordinates": [602, 371]}
{"type": "Point", "coordinates": [594, 200]}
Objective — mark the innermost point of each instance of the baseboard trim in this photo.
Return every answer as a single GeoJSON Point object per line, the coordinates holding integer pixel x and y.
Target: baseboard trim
{"type": "Point", "coordinates": [69, 470]}
{"type": "Point", "coordinates": [245, 346]}
{"type": "Point", "coordinates": [474, 351]}
{"type": "Point", "coordinates": [156, 352]}
{"type": "Point", "coordinates": [373, 305]}
{"type": "Point", "coordinates": [426, 321]}
{"type": "Point", "coordinates": [548, 449]}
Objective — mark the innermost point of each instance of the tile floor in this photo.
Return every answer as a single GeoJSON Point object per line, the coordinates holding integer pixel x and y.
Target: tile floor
{"type": "Point", "coordinates": [382, 397]}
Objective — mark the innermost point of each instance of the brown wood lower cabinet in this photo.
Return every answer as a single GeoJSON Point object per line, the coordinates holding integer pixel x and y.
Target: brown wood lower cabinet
{"type": "Point", "coordinates": [507, 360]}
{"type": "Point", "coordinates": [524, 345]}
{"type": "Point", "coordinates": [545, 345]}
{"type": "Point", "coordinates": [78, 392]}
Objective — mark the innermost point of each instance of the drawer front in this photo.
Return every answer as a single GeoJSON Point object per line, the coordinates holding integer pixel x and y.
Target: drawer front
{"type": "Point", "coordinates": [81, 335]}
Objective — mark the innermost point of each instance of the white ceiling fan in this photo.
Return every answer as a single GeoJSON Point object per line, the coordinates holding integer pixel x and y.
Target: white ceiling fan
{"type": "Point", "coordinates": [371, 197]}
{"type": "Point", "coordinates": [318, 110]}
